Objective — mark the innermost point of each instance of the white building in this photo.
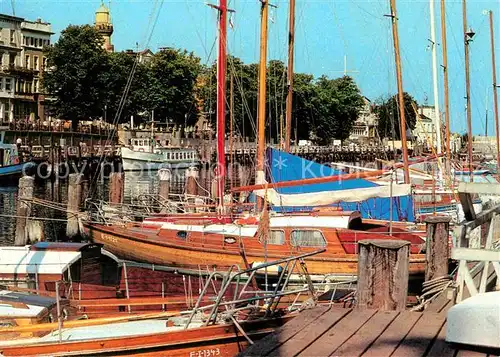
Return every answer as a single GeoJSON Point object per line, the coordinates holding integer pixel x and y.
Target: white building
{"type": "Point", "coordinates": [10, 50]}
{"type": "Point", "coordinates": [364, 128]}
{"type": "Point", "coordinates": [425, 128]}
{"type": "Point", "coordinates": [23, 62]}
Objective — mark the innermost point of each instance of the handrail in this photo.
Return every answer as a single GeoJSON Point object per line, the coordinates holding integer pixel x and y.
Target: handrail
{"type": "Point", "coordinates": [229, 279]}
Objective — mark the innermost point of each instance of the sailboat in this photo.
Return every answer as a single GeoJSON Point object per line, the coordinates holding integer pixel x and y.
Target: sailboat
{"type": "Point", "coordinates": [243, 238]}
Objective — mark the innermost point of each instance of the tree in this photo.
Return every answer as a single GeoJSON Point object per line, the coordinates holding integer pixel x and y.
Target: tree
{"type": "Point", "coordinates": [76, 77]}
{"type": "Point", "coordinates": [336, 103]}
{"type": "Point", "coordinates": [387, 111]}
{"type": "Point", "coordinates": [172, 81]}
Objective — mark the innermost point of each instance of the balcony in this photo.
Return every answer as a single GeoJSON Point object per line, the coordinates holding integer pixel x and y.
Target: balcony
{"type": "Point", "coordinates": [14, 69]}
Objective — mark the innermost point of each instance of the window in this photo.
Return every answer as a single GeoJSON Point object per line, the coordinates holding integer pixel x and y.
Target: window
{"type": "Point", "coordinates": [36, 65]}
{"type": "Point", "coordinates": [27, 61]}
{"type": "Point", "coordinates": [1, 84]}
{"type": "Point", "coordinates": [182, 234]}
{"type": "Point", "coordinates": [29, 87]}
{"type": "Point", "coordinates": [36, 42]}
{"type": "Point", "coordinates": [8, 85]}
{"type": "Point", "coordinates": [307, 238]}
{"type": "Point", "coordinates": [32, 41]}
{"type": "Point", "coordinates": [44, 63]}
{"type": "Point", "coordinates": [12, 36]}
{"type": "Point", "coordinates": [276, 237]}
{"type": "Point", "coordinates": [36, 87]}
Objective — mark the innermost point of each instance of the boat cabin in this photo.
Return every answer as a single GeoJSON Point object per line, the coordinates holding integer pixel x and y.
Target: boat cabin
{"type": "Point", "coordinates": [24, 309]}
{"type": "Point", "coordinates": [39, 266]}
{"type": "Point", "coordinates": [8, 154]}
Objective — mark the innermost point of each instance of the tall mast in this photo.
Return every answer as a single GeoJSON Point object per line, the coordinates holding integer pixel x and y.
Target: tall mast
{"type": "Point", "coordinates": [231, 126]}
{"type": "Point", "coordinates": [289, 97]}
{"type": "Point", "coordinates": [399, 76]}
{"type": "Point", "coordinates": [495, 95]}
{"type": "Point", "coordinates": [261, 114]}
{"type": "Point", "coordinates": [467, 84]}
{"type": "Point", "coordinates": [221, 101]}
{"type": "Point", "coordinates": [437, 119]}
{"type": "Point", "coordinates": [446, 98]}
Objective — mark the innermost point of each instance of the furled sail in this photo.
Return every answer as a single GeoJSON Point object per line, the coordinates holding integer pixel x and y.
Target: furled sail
{"type": "Point", "coordinates": [323, 198]}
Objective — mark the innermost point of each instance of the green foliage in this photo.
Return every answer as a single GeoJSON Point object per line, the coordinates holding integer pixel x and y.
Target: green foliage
{"type": "Point", "coordinates": [322, 110]}
{"type": "Point", "coordinates": [84, 80]}
{"type": "Point", "coordinates": [87, 82]}
{"type": "Point", "coordinates": [77, 62]}
{"type": "Point", "coordinates": [337, 104]}
{"type": "Point", "coordinates": [387, 111]}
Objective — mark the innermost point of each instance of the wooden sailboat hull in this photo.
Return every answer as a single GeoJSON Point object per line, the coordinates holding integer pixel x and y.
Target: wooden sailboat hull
{"type": "Point", "coordinates": [144, 248]}
{"type": "Point", "coordinates": [217, 340]}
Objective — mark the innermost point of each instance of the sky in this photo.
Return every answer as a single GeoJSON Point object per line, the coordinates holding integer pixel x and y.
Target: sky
{"type": "Point", "coordinates": [327, 32]}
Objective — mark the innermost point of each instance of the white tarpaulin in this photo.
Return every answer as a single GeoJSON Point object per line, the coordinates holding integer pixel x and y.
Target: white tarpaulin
{"type": "Point", "coordinates": [324, 198]}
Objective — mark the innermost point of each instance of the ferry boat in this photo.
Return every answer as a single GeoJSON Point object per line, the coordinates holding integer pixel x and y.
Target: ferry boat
{"type": "Point", "coordinates": [148, 154]}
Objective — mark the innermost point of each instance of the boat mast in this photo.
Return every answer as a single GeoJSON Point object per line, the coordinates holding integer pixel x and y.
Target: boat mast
{"type": "Point", "coordinates": [399, 76]}
{"type": "Point", "coordinates": [221, 100]}
{"type": "Point", "coordinates": [261, 116]}
{"type": "Point", "coordinates": [231, 124]}
{"type": "Point", "coordinates": [467, 38]}
{"type": "Point", "coordinates": [446, 98]}
{"type": "Point", "coordinates": [495, 95]}
{"type": "Point", "coordinates": [289, 97]}
{"type": "Point", "coordinates": [437, 113]}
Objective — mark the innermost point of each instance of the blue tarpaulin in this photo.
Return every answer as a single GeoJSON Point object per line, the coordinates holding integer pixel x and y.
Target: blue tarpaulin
{"type": "Point", "coordinates": [282, 166]}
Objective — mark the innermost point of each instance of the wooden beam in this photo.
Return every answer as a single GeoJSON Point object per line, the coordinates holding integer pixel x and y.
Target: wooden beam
{"type": "Point", "coordinates": [470, 254]}
{"type": "Point", "coordinates": [480, 188]}
{"type": "Point", "coordinates": [467, 205]}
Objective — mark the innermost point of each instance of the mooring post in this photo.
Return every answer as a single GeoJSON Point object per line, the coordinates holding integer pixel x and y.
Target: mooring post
{"type": "Point", "coordinates": [25, 193]}
{"type": "Point", "coordinates": [85, 192]}
{"type": "Point", "coordinates": [437, 247]}
{"type": "Point", "coordinates": [116, 181]}
{"type": "Point", "coordinates": [192, 174]}
{"type": "Point", "coordinates": [164, 189]}
{"type": "Point", "coordinates": [383, 268]}
{"type": "Point", "coordinates": [74, 200]}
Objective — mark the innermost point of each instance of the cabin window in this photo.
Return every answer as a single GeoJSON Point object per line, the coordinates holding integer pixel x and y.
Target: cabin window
{"type": "Point", "coordinates": [307, 238]}
{"type": "Point", "coordinates": [168, 156]}
{"type": "Point", "coordinates": [182, 234]}
{"type": "Point", "coordinates": [276, 237]}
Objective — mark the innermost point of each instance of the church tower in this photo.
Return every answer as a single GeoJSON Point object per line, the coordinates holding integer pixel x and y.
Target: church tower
{"type": "Point", "coordinates": [104, 26]}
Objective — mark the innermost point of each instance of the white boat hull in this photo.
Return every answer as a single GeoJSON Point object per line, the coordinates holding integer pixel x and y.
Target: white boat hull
{"type": "Point", "coordinates": [140, 161]}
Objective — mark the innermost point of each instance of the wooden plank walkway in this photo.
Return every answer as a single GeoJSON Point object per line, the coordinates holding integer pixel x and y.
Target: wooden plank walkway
{"type": "Point", "coordinates": [351, 332]}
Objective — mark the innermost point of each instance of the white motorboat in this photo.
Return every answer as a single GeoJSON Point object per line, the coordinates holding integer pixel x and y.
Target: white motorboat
{"type": "Point", "coordinates": [146, 154]}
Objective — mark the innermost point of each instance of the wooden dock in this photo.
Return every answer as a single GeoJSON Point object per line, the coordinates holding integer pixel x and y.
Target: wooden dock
{"type": "Point", "coordinates": [324, 331]}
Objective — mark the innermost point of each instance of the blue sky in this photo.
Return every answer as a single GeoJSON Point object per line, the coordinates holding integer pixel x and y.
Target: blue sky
{"type": "Point", "coordinates": [326, 31]}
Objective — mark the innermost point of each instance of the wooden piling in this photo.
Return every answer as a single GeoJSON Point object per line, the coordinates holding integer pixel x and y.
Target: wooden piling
{"type": "Point", "coordinates": [383, 274]}
{"type": "Point", "coordinates": [192, 174]}
{"type": "Point", "coordinates": [26, 184]}
{"type": "Point", "coordinates": [164, 176]}
{"type": "Point", "coordinates": [116, 184]}
{"type": "Point", "coordinates": [437, 249]}
{"type": "Point", "coordinates": [74, 200]}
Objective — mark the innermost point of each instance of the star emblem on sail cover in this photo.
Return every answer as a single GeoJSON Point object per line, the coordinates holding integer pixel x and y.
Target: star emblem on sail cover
{"type": "Point", "coordinates": [280, 163]}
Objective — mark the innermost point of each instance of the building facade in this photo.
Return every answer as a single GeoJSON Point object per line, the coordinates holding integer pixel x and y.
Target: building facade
{"type": "Point", "coordinates": [364, 129]}
{"type": "Point", "coordinates": [30, 99]}
{"type": "Point", "coordinates": [425, 127]}
{"type": "Point", "coordinates": [23, 61]}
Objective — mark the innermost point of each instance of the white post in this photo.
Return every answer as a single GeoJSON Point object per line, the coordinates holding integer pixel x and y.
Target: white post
{"type": "Point", "coordinates": [58, 306]}
{"type": "Point", "coordinates": [437, 116]}
{"type": "Point", "coordinates": [126, 284]}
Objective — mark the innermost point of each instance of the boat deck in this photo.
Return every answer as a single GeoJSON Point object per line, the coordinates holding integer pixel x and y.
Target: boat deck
{"type": "Point", "coordinates": [324, 331]}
